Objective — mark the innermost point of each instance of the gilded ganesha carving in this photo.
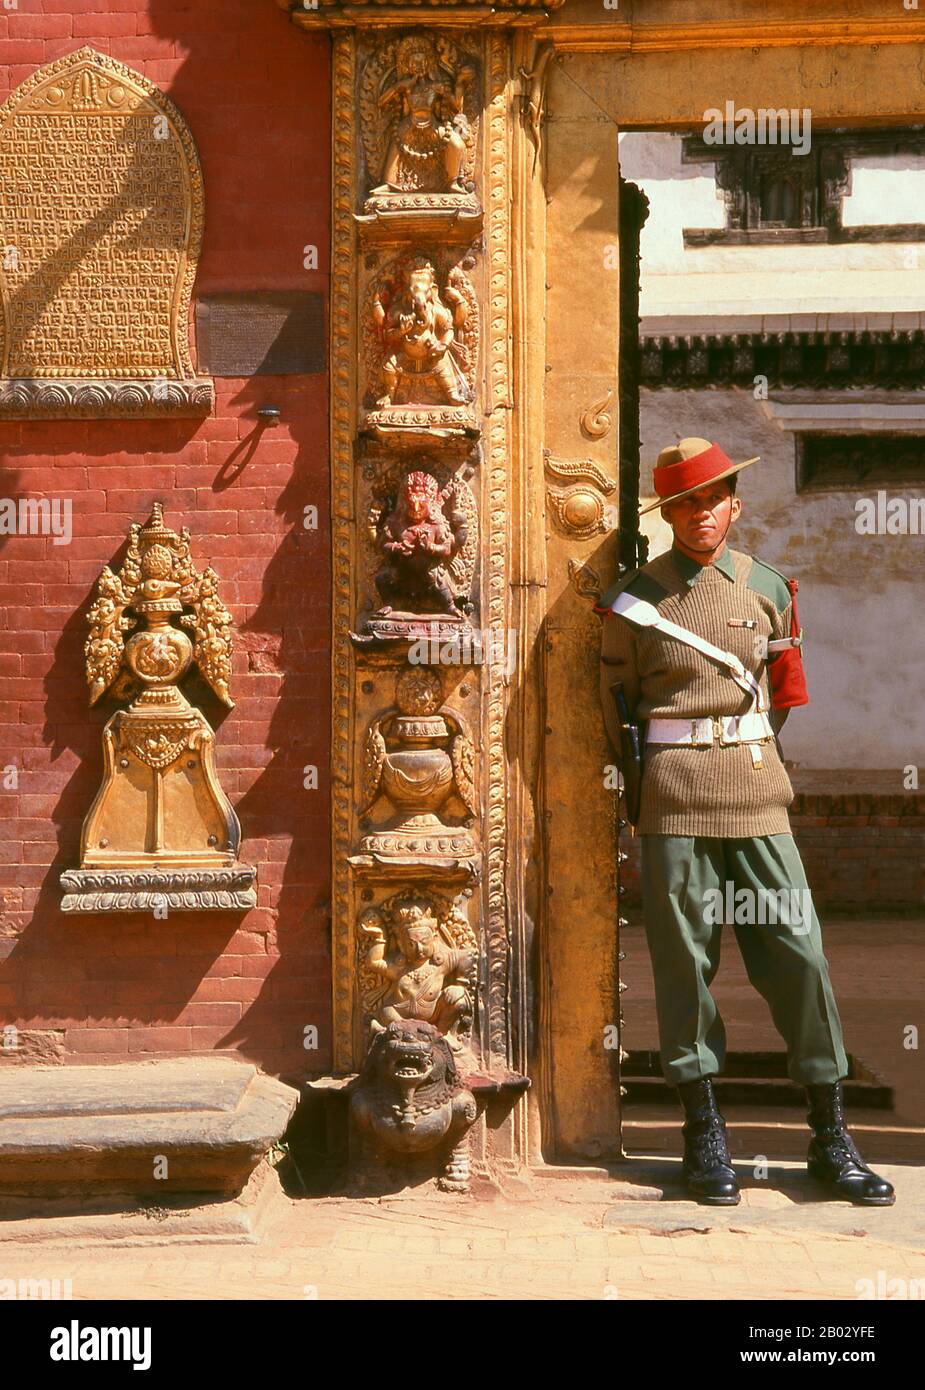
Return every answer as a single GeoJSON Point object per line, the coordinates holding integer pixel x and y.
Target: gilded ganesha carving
{"type": "Point", "coordinates": [421, 336]}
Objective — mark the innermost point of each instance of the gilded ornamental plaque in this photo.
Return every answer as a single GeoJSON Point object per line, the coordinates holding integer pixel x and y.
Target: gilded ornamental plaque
{"type": "Point", "coordinates": [161, 834]}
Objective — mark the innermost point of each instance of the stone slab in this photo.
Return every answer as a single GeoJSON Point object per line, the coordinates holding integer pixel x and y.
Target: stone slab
{"type": "Point", "coordinates": [261, 333]}
{"type": "Point", "coordinates": [120, 1221]}
{"type": "Point", "coordinates": [202, 1123]}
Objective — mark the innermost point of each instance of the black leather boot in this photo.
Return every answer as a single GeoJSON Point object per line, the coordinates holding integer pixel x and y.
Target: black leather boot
{"type": "Point", "coordinates": [707, 1168]}
{"type": "Point", "coordinates": [833, 1158]}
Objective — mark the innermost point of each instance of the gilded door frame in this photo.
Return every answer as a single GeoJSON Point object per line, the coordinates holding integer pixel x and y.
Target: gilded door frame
{"type": "Point", "coordinates": [559, 83]}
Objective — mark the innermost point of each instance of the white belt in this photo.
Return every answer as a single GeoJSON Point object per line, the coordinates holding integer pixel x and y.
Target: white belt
{"type": "Point", "coordinates": [724, 728]}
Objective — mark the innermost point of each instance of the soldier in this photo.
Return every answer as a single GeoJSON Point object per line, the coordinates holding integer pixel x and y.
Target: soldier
{"type": "Point", "coordinates": [688, 635]}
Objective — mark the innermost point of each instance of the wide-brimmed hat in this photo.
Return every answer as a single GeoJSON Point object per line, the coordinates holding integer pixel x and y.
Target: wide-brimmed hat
{"type": "Point", "coordinates": [688, 465]}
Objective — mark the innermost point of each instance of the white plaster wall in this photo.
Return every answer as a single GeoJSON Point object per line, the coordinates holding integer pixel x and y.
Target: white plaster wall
{"type": "Point", "coordinates": [801, 278]}
{"type": "Point", "coordinates": [860, 599]}
{"type": "Point", "coordinates": [890, 188]}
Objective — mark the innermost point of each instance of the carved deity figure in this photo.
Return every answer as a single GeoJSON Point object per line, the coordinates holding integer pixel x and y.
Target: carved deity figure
{"type": "Point", "coordinates": [419, 540]}
{"type": "Point", "coordinates": [428, 131]}
{"type": "Point", "coordinates": [426, 978]}
{"type": "Point", "coordinates": [418, 333]}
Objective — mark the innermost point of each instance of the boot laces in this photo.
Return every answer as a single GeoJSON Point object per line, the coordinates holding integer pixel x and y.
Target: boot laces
{"type": "Point", "coordinates": [711, 1144]}
{"type": "Point", "coordinates": [838, 1144]}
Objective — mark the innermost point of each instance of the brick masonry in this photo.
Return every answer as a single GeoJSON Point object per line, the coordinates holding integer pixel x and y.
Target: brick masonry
{"type": "Point", "coordinates": [255, 94]}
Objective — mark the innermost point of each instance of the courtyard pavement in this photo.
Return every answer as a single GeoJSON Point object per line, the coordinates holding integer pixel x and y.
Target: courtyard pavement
{"type": "Point", "coordinates": [573, 1234]}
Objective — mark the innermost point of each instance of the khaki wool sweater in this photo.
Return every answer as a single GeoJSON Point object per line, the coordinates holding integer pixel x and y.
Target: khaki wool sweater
{"type": "Point", "coordinates": [715, 790]}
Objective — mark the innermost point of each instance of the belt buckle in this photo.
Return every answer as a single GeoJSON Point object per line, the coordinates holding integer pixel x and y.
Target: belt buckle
{"type": "Point", "coordinates": [719, 728]}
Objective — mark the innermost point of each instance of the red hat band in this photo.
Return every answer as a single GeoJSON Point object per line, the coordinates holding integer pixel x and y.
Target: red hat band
{"type": "Point", "coordinates": [694, 472]}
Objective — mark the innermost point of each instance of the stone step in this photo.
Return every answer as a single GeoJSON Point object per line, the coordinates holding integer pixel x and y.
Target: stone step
{"type": "Point", "coordinates": [882, 1138]}
{"type": "Point", "coordinates": [193, 1124]}
{"type": "Point", "coordinates": [645, 1062]}
{"type": "Point", "coordinates": [757, 1090]}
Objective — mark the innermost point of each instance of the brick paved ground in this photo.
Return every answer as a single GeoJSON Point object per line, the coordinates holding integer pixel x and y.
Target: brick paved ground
{"type": "Point", "coordinates": [564, 1237]}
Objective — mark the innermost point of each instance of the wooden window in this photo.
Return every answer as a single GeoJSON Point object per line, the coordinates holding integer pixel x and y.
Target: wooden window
{"type": "Point", "coordinates": [847, 461]}
{"type": "Point", "coordinates": [773, 195]}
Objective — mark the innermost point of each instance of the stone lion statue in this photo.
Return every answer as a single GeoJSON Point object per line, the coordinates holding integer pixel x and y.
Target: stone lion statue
{"type": "Point", "coordinates": [410, 1099]}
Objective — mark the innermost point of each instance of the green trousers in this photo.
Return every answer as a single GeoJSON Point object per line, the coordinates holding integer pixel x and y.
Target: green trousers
{"type": "Point", "coordinates": [692, 886]}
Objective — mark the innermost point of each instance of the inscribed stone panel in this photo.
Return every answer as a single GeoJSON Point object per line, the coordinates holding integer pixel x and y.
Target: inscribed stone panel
{"type": "Point", "coordinates": [100, 229]}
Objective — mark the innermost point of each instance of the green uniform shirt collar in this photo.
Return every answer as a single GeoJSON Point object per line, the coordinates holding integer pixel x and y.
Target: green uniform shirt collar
{"type": "Point", "coordinates": [691, 570]}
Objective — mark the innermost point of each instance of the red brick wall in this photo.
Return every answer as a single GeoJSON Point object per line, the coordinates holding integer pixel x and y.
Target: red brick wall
{"type": "Point", "coordinates": [255, 93]}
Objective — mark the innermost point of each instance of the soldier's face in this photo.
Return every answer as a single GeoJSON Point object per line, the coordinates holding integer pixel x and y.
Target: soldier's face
{"type": "Point", "coordinates": [701, 519]}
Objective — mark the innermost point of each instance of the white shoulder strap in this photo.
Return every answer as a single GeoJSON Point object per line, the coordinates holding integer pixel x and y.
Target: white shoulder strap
{"type": "Point", "coordinates": [643, 614]}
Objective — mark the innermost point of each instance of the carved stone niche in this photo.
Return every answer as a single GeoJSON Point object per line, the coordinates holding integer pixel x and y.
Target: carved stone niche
{"type": "Point", "coordinates": [100, 231]}
{"type": "Point", "coordinates": [161, 834]}
{"type": "Point", "coordinates": [420, 103]}
{"type": "Point", "coordinates": [417, 757]}
{"type": "Point", "coordinates": [421, 345]}
{"type": "Point", "coordinates": [421, 552]}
